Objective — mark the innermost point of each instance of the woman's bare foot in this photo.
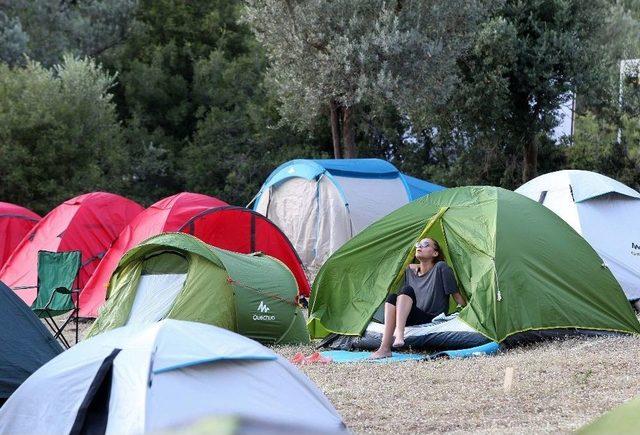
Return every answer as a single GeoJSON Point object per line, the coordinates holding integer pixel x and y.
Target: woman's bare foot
{"type": "Point", "coordinates": [380, 353]}
{"type": "Point", "coordinates": [399, 340]}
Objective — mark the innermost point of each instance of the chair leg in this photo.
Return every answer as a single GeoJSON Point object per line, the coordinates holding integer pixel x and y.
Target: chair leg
{"type": "Point", "coordinates": [57, 330]}
{"type": "Point", "coordinates": [77, 309]}
{"type": "Point", "coordinates": [54, 328]}
{"type": "Point", "coordinates": [69, 319]}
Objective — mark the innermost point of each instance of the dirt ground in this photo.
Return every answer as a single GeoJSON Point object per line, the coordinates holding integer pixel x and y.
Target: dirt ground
{"type": "Point", "coordinates": [557, 386]}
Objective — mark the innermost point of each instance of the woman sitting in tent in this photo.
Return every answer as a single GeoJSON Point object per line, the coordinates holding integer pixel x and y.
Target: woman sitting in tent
{"type": "Point", "coordinates": [423, 296]}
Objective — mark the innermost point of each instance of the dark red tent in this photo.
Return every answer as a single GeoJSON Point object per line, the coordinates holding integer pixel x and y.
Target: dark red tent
{"type": "Point", "coordinates": [88, 223]}
{"type": "Point", "coordinates": [166, 215]}
{"type": "Point", "coordinates": [15, 223]}
{"type": "Point", "coordinates": [242, 230]}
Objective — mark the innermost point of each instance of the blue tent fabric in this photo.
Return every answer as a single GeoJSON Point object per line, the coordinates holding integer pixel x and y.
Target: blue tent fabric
{"type": "Point", "coordinates": [358, 168]}
{"type": "Point", "coordinates": [25, 343]}
{"type": "Point", "coordinates": [419, 188]}
{"type": "Point", "coordinates": [310, 169]}
{"type": "Point", "coordinates": [376, 168]}
{"type": "Point", "coordinates": [491, 348]}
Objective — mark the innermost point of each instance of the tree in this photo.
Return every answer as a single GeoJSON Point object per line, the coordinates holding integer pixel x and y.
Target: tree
{"type": "Point", "coordinates": [235, 145]}
{"type": "Point", "coordinates": [13, 40]}
{"type": "Point", "coordinates": [607, 125]}
{"type": "Point", "coordinates": [59, 135]}
{"type": "Point", "coordinates": [192, 99]}
{"type": "Point", "coordinates": [526, 60]}
{"type": "Point", "coordinates": [331, 57]}
{"type": "Point", "coordinates": [45, 29]}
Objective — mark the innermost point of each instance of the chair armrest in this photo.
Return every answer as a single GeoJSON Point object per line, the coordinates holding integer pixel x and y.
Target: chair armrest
{"type": "Point", "coordinates": [63, 290]}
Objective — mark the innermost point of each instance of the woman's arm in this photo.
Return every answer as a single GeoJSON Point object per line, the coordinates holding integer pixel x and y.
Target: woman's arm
{"type": "Point", "coordinates": [457, 296]}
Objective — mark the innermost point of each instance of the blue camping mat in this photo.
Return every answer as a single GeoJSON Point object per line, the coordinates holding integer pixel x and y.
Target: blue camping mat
{"type": "Point", "coordinates": [347, 356]}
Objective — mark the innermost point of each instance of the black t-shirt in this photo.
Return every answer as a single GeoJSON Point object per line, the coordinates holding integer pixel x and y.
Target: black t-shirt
{"type": "Point", "coordinates": [432, 289]}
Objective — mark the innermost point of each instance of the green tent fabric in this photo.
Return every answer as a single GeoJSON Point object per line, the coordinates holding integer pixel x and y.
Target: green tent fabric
{"type": "Point", "coordinates": [254, 295]}
{"type": "Point", "coordinates": [622, 420]}
{"type": "Point", "coordinates": [521, 267]}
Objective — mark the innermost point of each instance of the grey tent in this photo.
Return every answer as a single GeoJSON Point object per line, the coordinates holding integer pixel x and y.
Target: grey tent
{"type": "Point", "coordinates": [26, 343]}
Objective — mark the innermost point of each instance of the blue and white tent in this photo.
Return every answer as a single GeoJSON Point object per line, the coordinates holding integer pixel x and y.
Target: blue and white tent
{"type": "Point", "coordinates": [603, 211]}
{"type": "Point", "coordinates": [320, 204]}
{"type": "Point", "coordinates": [163, 377]}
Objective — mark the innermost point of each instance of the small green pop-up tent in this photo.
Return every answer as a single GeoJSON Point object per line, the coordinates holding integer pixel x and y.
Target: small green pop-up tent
{"type": "Point", "coordinates": [177, 276]}
{"type": "Point", "coordinates": [521, 267]}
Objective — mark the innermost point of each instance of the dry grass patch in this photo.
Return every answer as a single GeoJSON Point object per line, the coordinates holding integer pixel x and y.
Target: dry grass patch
{"type": "Point", "coordinates": [557, 387]}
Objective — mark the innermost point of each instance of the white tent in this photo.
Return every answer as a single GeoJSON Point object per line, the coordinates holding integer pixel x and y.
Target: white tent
{"type": "Point", "coordinates": [320, 204]}
{"type": "Point", "coordinates": [140, 379]}
{"type": "Point", "coordinates": [604, 211]}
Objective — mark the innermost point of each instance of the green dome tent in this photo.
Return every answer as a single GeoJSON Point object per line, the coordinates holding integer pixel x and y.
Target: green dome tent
{"type": "Point", "coordinates": [521, 268]}
{"type": "Point", "coordinates": [176, 276]}
{"type": "Point", "coordinates": [621, 420]}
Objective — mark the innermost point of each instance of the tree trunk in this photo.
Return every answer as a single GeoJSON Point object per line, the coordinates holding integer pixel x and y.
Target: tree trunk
{"type": "Point", "coordinates": [335, 129]}
{"type": "Point", "coordinates": [530, 166]}
{"type": "Point", "coordinates": [348, 135]}
{"type": "Point", "coordinates": [526, 117]}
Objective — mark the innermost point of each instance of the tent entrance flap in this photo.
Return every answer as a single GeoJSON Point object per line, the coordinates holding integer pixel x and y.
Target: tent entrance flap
{"type": "Point", "coordinates": [163, 277]}
{"type": "Point", "coordinates": [434, 229]}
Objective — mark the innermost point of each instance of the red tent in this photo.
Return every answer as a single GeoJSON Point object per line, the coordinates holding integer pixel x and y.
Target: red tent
{"type": "Point", "coordinates": [15, 223]}
{"type": "Point", "coordinates": [88, 223]}
{"type": "Point", "coordinates": [242, 230]}
{"type": "Point", "coordinates": [166, 215]}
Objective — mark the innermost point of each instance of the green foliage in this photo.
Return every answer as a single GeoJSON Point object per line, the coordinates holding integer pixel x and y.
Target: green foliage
{"type": "Point", "coordinates": [212, 96]}
{"type": "Point", "coordinates": [45, 29]}
{"type": "Point", "coordinates": [524, 61]}
{"type": "Point", "coordinates": [361, 53]}
{"type": "Point", "coordinates": [607, 128]}
{"type": "Point", "coordinates": [13, 40]}
{"type": "Point", "coordinates": [235, 146]}
{"type": "Point", "coordinates": [59, 135]}
{"type": "Point", "coordinates": [596, 147]}
{"type": "Point", "coordinates": [197, 114]}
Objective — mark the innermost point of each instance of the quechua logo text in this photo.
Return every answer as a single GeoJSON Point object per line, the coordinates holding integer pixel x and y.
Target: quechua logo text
{"type": "Point", "coordinates": [263, 313]}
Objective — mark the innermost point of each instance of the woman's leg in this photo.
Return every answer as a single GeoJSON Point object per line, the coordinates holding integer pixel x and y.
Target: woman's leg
{"type": "Point", "coordinates": [403, 308]}
{"type": "Point", "coordinates": [387, 336]}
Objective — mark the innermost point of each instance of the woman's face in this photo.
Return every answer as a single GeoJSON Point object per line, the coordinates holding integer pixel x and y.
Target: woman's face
{"type": "Point", "coordinates": [425, 249]}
